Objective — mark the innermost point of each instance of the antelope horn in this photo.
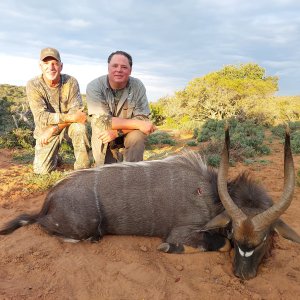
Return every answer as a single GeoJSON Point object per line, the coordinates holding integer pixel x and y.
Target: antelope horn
{"type": "Point", "coordinates": [231, 208]}
{"type": "Point", "coordinates": [269, 216]}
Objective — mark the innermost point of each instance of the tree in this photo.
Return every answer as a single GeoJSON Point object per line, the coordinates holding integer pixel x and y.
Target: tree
{"type": "Point", "coordinates": [221, 94]}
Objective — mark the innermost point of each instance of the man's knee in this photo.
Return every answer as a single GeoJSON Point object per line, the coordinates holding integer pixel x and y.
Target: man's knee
{"type": "Point", "coordinates": [77, 129]}
{"type": "Point", "coordinates": [78, 134]}
{"type": "Point", "coordinates": [134, 146]}
{"type": "Point", "coordinates": [45, 157]}
{"type": "Point", "coordinates": [134, 137]}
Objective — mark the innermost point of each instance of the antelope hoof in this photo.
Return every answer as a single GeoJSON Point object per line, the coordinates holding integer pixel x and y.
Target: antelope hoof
{"type": "Point", "coordinates": [164, 247]}
{"type": "Point", "coordinates": [171, 248]}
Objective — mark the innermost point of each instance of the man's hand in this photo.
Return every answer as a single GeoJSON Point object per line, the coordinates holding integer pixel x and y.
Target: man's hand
{"type": "Point", "coordinates": [79, 117]}
{"type": "Point", "coordinates": [147, 127]}
{"type": "Point", "coordinates": [107, 136]}
{"type": "Point", "coordinates": [46, 135]}
{"type": "Point", "coordinates": [128, 125]}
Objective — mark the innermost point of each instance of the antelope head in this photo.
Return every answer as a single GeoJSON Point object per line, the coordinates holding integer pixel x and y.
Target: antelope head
{"type": "Point", "coordinates": [251, 234]}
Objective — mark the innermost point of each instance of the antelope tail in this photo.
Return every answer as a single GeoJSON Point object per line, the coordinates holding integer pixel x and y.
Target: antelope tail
{"type": "Point", "coordinates": [22, 220]}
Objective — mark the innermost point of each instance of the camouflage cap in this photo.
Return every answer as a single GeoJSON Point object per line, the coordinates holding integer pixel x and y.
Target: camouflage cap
{"type": "Point", "coordinates": [46, 52]}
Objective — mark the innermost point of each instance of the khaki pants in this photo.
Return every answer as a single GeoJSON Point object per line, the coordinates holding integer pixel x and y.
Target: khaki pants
{"type": "Point", "coordinates": [133, 144]}
{"type": "Point", "coordinates": [46, 156]}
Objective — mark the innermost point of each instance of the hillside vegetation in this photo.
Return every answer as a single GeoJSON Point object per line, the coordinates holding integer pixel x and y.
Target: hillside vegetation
{"type": "Point", "coordinates": [242, 92]}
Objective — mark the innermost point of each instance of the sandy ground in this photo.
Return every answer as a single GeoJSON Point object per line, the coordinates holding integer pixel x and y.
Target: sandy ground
{"type": "Point", "coordinates": [34, 265]}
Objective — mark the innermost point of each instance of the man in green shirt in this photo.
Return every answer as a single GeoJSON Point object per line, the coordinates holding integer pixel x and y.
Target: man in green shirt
{"type": "Point", "coordinates": [56, 104]}
{"type": "Point", "coordinates": [120, 113]}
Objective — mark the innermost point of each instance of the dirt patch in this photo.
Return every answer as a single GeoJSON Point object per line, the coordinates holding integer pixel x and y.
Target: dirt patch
{"type": "Point", "coordinates": [34, 265]}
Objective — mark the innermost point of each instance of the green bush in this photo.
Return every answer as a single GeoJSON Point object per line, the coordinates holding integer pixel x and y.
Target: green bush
{"type": "Point", "coordinates": [214, 160]}
{"type": "Point", "coordinates": [211, 151]}
{"type": "Point", "coordinates": [12, 92]}
{"type": "Point", "coordinates": [248, 161]}
{"type": "Point", "coordinates": [24, 156]}
{"type": "Point", "coordinates": [279, 131]}
{"type": "Point", "coordinates": [264, 149]}
{"type": "Point", "coordinates": [16, 120]}
{"type": "Point", "coordinates": [192, 143]}
{"type": "Point", "coordinates": [6, 121]}
{"type": "Point", "coordinates": [18, 138]}
{"type": "Point", "coordinates": [246, 138]}
{"type": "Point", "coordinates": [295, 142]}
{"type": "Point", "coordinates": [196, 132]}
{"type": "Point", "coordinates": [160, 137]}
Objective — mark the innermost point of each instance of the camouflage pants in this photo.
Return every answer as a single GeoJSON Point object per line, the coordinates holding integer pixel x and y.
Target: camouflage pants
{"type": "Point", "coordinates": [46, 156]}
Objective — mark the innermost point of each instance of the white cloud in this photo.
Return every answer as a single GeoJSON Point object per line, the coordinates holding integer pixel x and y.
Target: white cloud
{"type": "Point", "coordinates": [159, 86]}
{"type": "Point", "coordinates": [78, 23]}
{"type": "Point", "coordinates": [17, 70]}
{"type": "Point", "coordinates": [84, 72]}
{"type": "Point", "coordinates": [171, 42]}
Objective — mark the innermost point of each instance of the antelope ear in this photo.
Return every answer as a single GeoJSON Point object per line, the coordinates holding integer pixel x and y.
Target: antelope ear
{"type": "Point", "coordinates": [220, 221]}
{"type": "Point", "coordinates": [286, 231]}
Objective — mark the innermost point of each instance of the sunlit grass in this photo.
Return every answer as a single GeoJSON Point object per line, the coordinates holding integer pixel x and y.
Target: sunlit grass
{"type": "Point", "coordinates": [40, 183]}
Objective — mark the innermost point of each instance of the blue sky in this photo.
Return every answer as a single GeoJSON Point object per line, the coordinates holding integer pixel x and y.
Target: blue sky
{"type": "Point", "coordinates": [171, 42]}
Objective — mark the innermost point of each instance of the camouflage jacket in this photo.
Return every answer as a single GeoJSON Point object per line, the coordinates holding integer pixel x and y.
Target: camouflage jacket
{"type": "Point", "coordinates": [49, 106]}
{"type": "Point", "coordinates": [133, 103]}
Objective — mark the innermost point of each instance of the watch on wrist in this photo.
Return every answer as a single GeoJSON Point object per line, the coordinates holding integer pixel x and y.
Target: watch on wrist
{"type": "Point", "coordinates": [120, 132]}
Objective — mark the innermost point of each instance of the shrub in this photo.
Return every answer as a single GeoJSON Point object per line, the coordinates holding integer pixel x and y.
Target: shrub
{"type": "Point", "coordinates": [18, 138]}
{"type": "Point", "coordinates": [192, 143]}
{"type": "Point", "coordinates": [24, 156]}
{"type": "Point", "coordinates": [213, 160]}
{"type": "Point", "coordinates": [246, 138]}
{"type": "Point", "coordinates": [196, 132]}
{"type": "Point", "coordinates": [279, 131]}
{"type": "Point", "coordinates": [211, 152]}
{"type": "Point", "coordinates": [160, 137]}
{"type": "Point", "coordinates": [295, 142]}
{"type": "Point", "coordinates": [6, 121]}
{"type": "Point", "coordinates": [16, 120]}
